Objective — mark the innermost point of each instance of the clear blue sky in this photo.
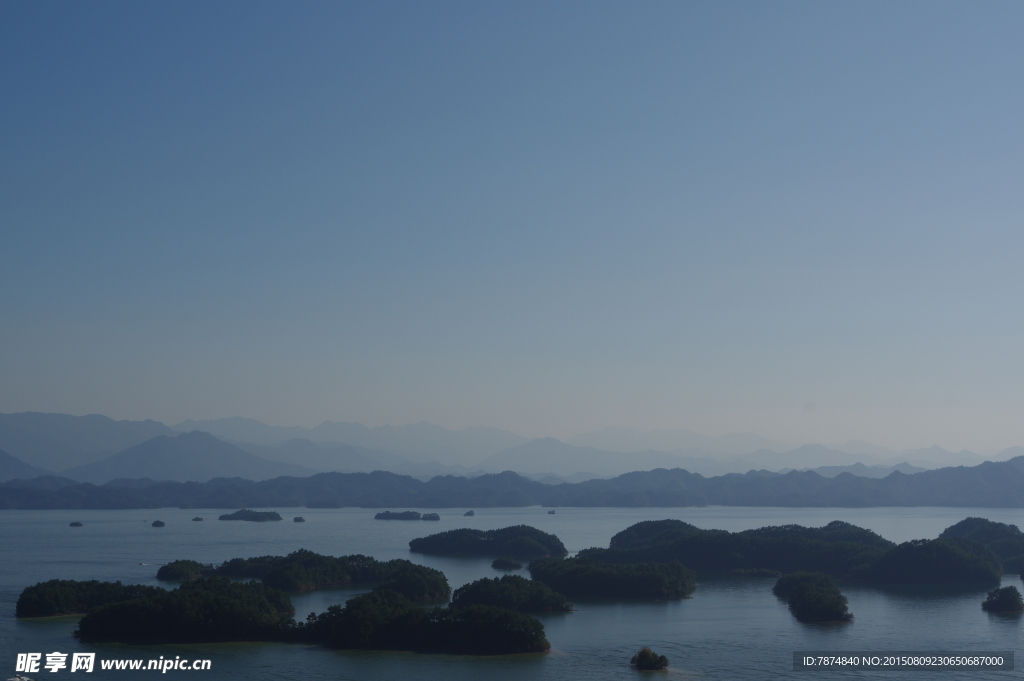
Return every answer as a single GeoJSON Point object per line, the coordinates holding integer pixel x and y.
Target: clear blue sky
{"type": "Point", "coordinates": [798, 219]}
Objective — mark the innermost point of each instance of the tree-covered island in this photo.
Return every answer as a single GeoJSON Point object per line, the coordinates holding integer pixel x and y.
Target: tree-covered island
{"type": "Point", "coordinates": [839, 549]}
{"type": "Point", "coordinates": [1007, 600]}
{"type": "Point", "coordinates": [216, 609]}
{"type": "Point", "coordinates": [305, 570]}
{"type": "Point", "coordinates": [813, 597]}
{"type": "Point", "coordinates": [70, 597]}
{"type": "Point", "coordinates": [512, 592]}
{"type": "Point", "coordinates": [584, 577]}
{"type": "Point", "coordinates": [252, 516]}
{"type": "Point", "coordinates": [519, 541]}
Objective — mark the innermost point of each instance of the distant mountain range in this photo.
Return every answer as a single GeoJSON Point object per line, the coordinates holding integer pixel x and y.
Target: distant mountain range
{"type": "Point", "coordinates": [419, 442]}
{"type": "Point", "coordinates": [631, 440]}
{"type": "Point", "coordinates": [59, 441]}
{"type": "Point", "coordinates": [95, 448]}
{"type": "Point", "coordinates": [195, 456]}
{"type": "Point", "coordinates": [11, 468]}
{"type": "Point", "coordinates": [988, 485]}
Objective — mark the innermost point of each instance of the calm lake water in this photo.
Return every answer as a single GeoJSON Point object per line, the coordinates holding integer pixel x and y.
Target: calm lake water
{"type": "Point", "coordinates": [729, 629]}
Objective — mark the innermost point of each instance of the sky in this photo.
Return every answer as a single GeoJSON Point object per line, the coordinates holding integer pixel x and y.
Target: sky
{"type": "Point", "coordinates": [799, 219]}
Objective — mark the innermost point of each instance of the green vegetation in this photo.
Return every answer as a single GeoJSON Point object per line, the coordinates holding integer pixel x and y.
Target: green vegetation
{"type": "Point", "coordinates": [835, 549]}
{"type": "Point", "coordinates": [797, 581]}
{"type": "Point", "coordinates": [1007, 599]}
{"type": "Point", "coordinates": [648, 660]}
{"type": "Point", "coordinates": [430, 516]}
{"type": "Point", "coordinates": [391, 515]}
{"type": "Point", "coordinates": [305, 570]}
{"type": "Point", "coordinates": [583, 577]}
{"type": "Point", "coordinates": [202, 611]}
{"type": "Point", "coordinates": [384, 619]}
{"type": "Point", "coordinates": [298, 519]}
{"type": "Point", "coordinates": [183, 570]}
{"type": "Point", "coordinates": [158, 523]}
{"type": "Point", "coordinates": [518, 540]}
{"type": "Point", "coordinates": [1006, 541]}
{"type": "Point", "coordinates": [954, 560]}
{"type": "Point", "coordinates": [217, 609]}
{"type": "Point", "coordinates": [512, 592]}
{"type": "Point", "coordinates": [253, 516]}
{"type": "Point", "coordinates": [68, 597]}
{"type": "Point", "coordinates": [813, 597]}
{"type": "Point", "coordinates": [506, 564]}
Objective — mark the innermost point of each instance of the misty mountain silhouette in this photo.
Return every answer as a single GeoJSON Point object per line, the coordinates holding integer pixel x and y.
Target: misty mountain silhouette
{"type": "Point", "coordinates": [12, 467]}
{"type": "Point", "coordinates": [59, 441]}
{"type": "Point", "coordinates": [988, 485]}
{"type": "Point", "coordinates": [195, 456]}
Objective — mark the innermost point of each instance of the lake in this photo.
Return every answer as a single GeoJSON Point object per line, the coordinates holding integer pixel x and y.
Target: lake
{"type": "Point", "coordinates": [729, 629]}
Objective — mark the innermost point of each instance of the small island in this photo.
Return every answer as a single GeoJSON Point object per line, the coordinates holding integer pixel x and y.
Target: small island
{"type": "Point", "coordinates": [70, 597]}
{"type": "Point", "coordinates": [391, 515]}
{"type": "Point", "coordinates": [506, 564]}
{"type": "Point", "coordinates": [813, 597]}
{"type": "Point", "coordinates": [431, 516]}
{"type": "Point", "coordinates": [519, 541]}
{"type": "Point", "coordinates": [158, 523]}
{"type": "Point", "coordinates": [298, 519]}
{"type": "Point", "coordinates": [551, 512]}
{"type": "Point", "coordinates": [197, 519]}
{"type": "Point", "coordinates": [469, 514]}
{"type": "Point", "coordinates": [512, 592]}
{"type": "Point", "coordinates": [1005, 600]}
{"type": "Point", "coordinates": [76, 524]}
{"type": "Point", "coordinates": [648, 660]}
{"type": "Point", "coordinates": [587, 578]}
{"type": "Point", "coordinates": [252, 516]}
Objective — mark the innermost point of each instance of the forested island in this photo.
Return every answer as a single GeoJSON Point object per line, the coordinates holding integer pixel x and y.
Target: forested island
{"type": "Point", "coordinates": [584, 577]}
{"type": "Point", "coordinates": [839, 549]}
{"type": "Point", "coordinates": [305, 570]}
{"type": "Point", "coordinates": [512, 592]}
{"type": "Point", "coordinates": [1005, 600]}
{"type": "Point", "coordinates": [485, 618]}
{"type": "Point", "coordinates": [70, 597]}
{"type": "Point", "coordinates": [252, 516]}
{"type": "Point", "coordinates": [990, 484]}
{"type": "Point", "coordinates": [404, 515]}
{"type": "Point", "coordinates": [216, 609]}
{"type": "Point", "coordinates": [813, 597]}
{"type": "Point", "coordinates": [506, 564]}
{"type": "Point", "coordinates": [519, 541]}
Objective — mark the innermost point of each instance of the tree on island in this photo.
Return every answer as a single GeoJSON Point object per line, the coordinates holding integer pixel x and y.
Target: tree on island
{"type": "Point", "coordinates": [648, 660]}
{"type": "Point", "coordinates": [1007, 599]}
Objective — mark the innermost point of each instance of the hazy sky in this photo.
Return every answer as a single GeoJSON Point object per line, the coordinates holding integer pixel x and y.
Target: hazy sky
{"type": "Point", "coordinates": [798, 219]}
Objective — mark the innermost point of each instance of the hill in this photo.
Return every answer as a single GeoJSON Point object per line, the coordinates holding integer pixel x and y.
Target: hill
{"type": "Point", "coordinates": [60, 441]}
{"type": "Point", "coordinates": [13, 468]}
{"type": "Point", "coordinates": [988, 485]}
{"type": "Point", "coordinates": [422, 441]}
{"type": "Point", "coordinates": [194, 456]}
